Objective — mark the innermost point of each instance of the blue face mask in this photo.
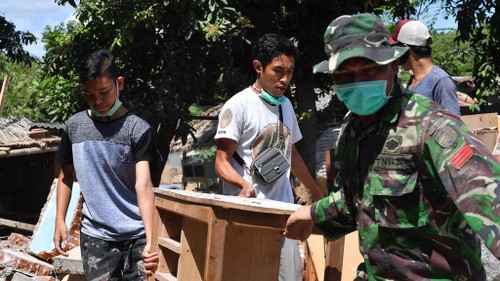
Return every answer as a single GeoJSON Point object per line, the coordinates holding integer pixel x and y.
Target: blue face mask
{"type": "Point", "coordinates": [363, 98]}
{"type": "Point", "coordinates": [271, 99]}
{"type": "Point", "coordinates": [113, 109]}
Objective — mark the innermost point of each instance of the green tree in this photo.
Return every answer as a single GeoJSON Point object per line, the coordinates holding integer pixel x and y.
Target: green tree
{"type": "Point", "coordinates": [176, 53]}
{"type": "Point", "coordinates": [56, 83]}
{"type": "Point", "coordinates": [18, 101]}
{"type": "Point", "coordinates": [12, 55]}
{"type": "Point", "coordinates": [453, 56]}
{"type": "Point", "coordinates": [12, 41]}
{"type": "Point", "coordinates": [172, 54]}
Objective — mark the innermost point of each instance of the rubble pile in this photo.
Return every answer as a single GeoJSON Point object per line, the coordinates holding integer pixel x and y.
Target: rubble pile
{"type": "Point", "coordinates": [35, 258]}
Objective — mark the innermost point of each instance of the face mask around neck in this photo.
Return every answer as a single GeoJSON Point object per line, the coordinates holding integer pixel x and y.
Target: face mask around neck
{"type": "Point", "coordinates": [113, 109]}
{"type": "Point", "coordinates": [271, 99]}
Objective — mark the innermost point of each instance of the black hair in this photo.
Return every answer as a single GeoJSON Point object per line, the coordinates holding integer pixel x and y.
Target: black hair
{"type": "Point", "coordinates": [270, 46]}
{"type": "Point", "coordinates": [98, 64]}
{"type": "Point", "coordinates": [423, 51]}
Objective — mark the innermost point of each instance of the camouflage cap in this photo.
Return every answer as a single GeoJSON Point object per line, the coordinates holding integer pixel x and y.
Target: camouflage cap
{"type": "Point", "coordinates": [361, 35]}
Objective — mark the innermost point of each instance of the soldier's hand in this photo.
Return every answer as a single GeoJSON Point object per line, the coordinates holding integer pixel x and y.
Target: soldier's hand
{"type": "Point", "coordinates": [300, 224]}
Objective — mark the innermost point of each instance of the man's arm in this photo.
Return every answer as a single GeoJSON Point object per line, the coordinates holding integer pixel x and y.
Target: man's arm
{"type": "Point", "coordinates": [224, 169]}
{"type": "Point", "coordinates": [145, 200]}
{"type": "Point", "coordinates": [446, 93]}
{"type": "Point", "coordinates": [299, 169]}
{"type": "Point", "coordinates": [64, 186]}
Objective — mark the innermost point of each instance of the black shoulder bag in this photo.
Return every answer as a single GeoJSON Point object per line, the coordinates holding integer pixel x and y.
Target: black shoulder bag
{"type": "Point", "coordinates": [270, 164]}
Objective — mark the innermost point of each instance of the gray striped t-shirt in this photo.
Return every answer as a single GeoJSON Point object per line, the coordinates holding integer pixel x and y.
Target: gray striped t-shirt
{"type": "Point", "coordinates": [104, 155]}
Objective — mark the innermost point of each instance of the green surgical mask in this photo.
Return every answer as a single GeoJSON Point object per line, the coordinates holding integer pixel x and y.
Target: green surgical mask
{"type": "Point", "coordinates": [113, 109]}
{"type": "Point", "coordinates": [110, 113]}
{"type": "Point", "coordinates": [363, 98]}
{"type": "Point", "coordinates": [271, 99]}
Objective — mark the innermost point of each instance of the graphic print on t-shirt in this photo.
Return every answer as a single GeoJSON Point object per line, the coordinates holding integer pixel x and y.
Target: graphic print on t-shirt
{"type": "Point", "coordinates": [269, 137]}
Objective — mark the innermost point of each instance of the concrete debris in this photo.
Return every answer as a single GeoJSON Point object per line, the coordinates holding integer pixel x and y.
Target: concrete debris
{"type": "Point", "coordinates": [34, 258]}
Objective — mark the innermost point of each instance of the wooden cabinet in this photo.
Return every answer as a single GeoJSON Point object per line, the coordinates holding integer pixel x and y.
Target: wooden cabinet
{"type": "Point", "coordinates": [215, 237]}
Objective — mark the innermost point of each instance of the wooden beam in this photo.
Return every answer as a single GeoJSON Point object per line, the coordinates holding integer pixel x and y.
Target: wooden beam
{"type": "Point", "coordinates": [17, 224]}
{"type": "Point", "coordinates": [170, 244]}
{"type": "Point", "coordinates": [165, 276]}
{"type": "Point", "coordinates": [3, 93]}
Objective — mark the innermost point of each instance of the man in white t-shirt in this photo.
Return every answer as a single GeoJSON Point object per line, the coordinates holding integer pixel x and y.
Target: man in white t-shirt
{"type": "Point", "coordinates": [250, 122]}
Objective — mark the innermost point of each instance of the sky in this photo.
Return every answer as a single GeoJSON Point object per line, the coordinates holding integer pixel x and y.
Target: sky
{"type": "Point", "coordinates": [34, 15]}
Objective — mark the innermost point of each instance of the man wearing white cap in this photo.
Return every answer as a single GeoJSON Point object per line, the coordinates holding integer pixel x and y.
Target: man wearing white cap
{"type": "Point", "coordinates": [427, 79]}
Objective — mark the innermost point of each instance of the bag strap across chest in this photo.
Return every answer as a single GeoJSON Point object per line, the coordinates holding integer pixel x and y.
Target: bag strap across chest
{"type": "Point", "coordinates": [279, 132]}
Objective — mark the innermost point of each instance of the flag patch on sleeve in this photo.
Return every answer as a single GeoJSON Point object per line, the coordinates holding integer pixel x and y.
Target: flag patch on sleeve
{"type": "Point", "coordinates": [462, 156]}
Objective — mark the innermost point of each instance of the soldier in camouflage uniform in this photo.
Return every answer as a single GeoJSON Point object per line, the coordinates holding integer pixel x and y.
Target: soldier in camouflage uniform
{"type": "Point", "coordinates": [411, 178]}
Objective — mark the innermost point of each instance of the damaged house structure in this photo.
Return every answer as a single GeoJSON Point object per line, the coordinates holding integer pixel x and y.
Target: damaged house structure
{"type": "Point", "coordinates": [27, 167]}
{"type": "Point", "coordinates": [28, 180]}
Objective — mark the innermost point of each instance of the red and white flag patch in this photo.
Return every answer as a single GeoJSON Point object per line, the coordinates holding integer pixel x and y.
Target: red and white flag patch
{"type": "Point", "coordinates": [462, 156]}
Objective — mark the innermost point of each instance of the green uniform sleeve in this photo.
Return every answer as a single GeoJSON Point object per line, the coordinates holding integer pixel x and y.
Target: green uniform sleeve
{"type": "Point", "coordinates": [468, 173]}
{"type": "Point", "coordinates": [332, 216]}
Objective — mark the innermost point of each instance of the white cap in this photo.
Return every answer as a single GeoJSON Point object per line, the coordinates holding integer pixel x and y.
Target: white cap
{"type": "Point", "coordinates": [411, 32]}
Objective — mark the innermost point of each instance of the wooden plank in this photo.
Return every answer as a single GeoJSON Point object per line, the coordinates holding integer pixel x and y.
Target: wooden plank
{"type": "Point", "coordinates": [352, 256]}
{"type": "Point", "coordinates": [170, 244]}
{"type": "Point", "coordinates": [480, 121]}
{"type": "Point", "coordinates": [162, 276]}
{"type": "Point", "coordinates": [485, 127]}
{"type": "Point", "coordinates": [260, 205]}
{"type": "Point", "coordinates": [242, 247]}
{"type": "Point", "coordinates": [310, 273]}
{"type": "Point", "coordinates": [193, 251]}
{"type": "Point", "coordinates": [170, 226]}
{"type": "Point", "coordinates": [256, 220]}
{"type": "Point", "coordinates": [157, 232]}
{"type": "Point", "coordinates": [197, 212]}
{"type": "Point", "coordinates": [316, 250]}
{"type": "Point", "coordinates": [17, 224]}
{"type": "Point", "coordinates": [3, 93]}
{"type": "Point", "coordinates": [216, 238]}
{"type": "Point", "coordinates": [334, 260]}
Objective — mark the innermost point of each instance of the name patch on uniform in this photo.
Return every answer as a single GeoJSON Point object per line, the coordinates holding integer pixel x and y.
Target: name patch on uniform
{"type": "Point", "coordinates": [394, 162]}
{"type": "Point", "coordinates": [462, 156]}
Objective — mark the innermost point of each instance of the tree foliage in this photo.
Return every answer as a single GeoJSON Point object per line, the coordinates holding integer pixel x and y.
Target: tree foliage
{"type": "Point", "coordinates": [12, 41]}
{"type": "Point", "coordinates": [455, 57]}
{"type": "Point", "coordinates": [18, 101]}
{"type": "Point", "coordinates": [176, 53]}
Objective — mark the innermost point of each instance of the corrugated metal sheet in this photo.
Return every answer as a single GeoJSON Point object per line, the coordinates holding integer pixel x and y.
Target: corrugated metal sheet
{"type": "Point", "coordinates": [204, 133]}
{"type": "Point", "coordinates": [15, 138]}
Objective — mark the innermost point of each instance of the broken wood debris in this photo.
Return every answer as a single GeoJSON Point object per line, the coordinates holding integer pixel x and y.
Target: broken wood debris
{"type": "Point", "coordinates": [34, 258]}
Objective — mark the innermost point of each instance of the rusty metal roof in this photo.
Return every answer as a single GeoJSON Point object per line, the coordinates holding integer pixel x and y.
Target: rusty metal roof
{"type": "Point", "coordinates": [204, 131]}
{"type": "Point", "coordinates": [17, 138]}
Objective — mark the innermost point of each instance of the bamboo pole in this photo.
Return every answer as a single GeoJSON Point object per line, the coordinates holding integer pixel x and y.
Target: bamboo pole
{"type": "Point", "coordinates": [17, 224]}
{"type": "Point", "coordinates": [3, 93]}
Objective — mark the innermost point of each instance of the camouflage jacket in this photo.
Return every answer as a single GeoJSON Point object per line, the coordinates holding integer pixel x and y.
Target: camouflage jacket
{"type": "Point", "coordinates": [418, 187]}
